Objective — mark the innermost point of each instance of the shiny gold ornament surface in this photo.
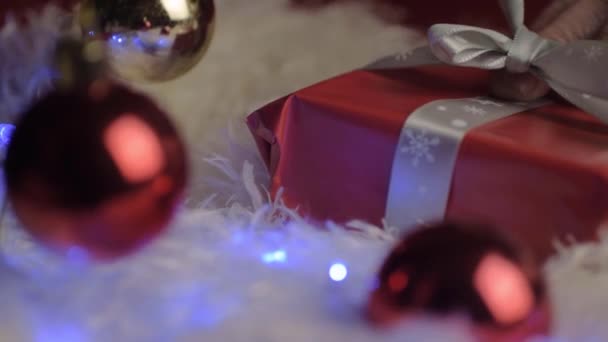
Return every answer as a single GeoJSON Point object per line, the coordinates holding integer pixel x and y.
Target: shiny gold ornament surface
{"type": "Point", "coordinates": [150, 40]}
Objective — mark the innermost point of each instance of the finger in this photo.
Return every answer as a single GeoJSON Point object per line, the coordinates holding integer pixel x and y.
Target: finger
{"type": "Point", "coordinates": [549, 14]}
{"type": "Point", "coordinates": [566, 21]}
{"type": "Point", "coordinates": [581, 19]}
{"type": "Point", "coordinates": [603, 33]}
{"type": "Point", "coordinates": [519, 87]}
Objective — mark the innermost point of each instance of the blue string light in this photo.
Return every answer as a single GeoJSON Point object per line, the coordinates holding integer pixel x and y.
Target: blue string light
{"type": "Point", "coordinates": [118, 38]}
{"type": "Point", "coordinates": [338, 272]}
{"type": "Point", "coordinates": [278, 256]}
{"type": "Point", "coordinates": [6, 132]}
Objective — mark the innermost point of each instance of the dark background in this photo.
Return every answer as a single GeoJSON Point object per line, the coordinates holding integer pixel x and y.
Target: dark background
{"type": "Point", "coordinates": [423, 13]}
{"type": "Point", "coordinates": [420, 13]}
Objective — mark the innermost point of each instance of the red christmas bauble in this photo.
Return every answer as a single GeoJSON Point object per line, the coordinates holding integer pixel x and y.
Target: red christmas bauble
{"type": "Point", "coordinates": [99, 167]}
{"type": "Point", "coordinates": [453, 269]}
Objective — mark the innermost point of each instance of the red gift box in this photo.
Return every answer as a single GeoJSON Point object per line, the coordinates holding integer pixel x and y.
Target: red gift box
{"type": "Point", "coordinates": [540, 174]}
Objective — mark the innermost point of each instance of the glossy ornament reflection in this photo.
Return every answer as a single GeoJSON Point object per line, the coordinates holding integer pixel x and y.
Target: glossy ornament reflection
{"type": "Point", "coordinates": [453, 270]}
{"type": "Point", "coordinates": [150, 40]}
{"type": "Point", "coordinates": [98, 167]}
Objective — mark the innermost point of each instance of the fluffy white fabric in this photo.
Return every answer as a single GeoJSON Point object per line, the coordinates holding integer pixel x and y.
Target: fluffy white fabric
{"type": "Point", "coordinates": [25, 53]}
{"type": "Point", "coordinates": [229, 268]}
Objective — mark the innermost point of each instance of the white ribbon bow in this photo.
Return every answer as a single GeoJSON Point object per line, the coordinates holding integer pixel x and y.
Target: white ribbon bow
{"type": "Point", "coordinates": [578, 71]}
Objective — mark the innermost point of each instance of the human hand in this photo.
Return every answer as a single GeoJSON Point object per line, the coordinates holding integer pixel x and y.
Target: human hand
{"type": "Point", "coordinates": [564, 21]}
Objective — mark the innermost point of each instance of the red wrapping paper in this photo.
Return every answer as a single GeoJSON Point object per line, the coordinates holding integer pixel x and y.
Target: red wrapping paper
{"type": "Point", "coordinates": [540, 175]}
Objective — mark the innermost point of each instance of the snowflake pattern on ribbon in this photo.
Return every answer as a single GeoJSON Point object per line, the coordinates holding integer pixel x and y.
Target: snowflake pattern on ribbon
{"type": "Point", "coordinates": [487, 102]}
{"type": "Point", "coordinates": [403, 56]}
{"type": "Point", "coordinates": [475, 110]}
{"type": "Point", "coordinates": [419, 145]}
{"type": "Point", "coordinates": [593, 53]}
{"type": "Point", "coordinates": [569, 52]}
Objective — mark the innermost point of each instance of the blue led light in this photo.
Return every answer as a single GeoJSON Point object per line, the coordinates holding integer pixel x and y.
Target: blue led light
{"type": "Point", "coordinates": [338, 272]}
{"type": "Point", "coordinates": [6, 131]}
{"type": "Point", "coordinates": [278, 256]}
{"type": "Point", "coordinates": [163, 43]}
{"type": "Point", "coordinates": [118, 38]}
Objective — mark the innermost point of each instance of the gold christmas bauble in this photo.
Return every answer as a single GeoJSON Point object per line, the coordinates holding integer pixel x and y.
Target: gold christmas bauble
{"type": "Point", "coordinates": [150, 40]}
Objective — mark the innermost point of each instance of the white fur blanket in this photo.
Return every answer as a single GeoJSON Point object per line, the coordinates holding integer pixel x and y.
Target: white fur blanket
{"type": "Point", "coordinates": [228, 269]}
